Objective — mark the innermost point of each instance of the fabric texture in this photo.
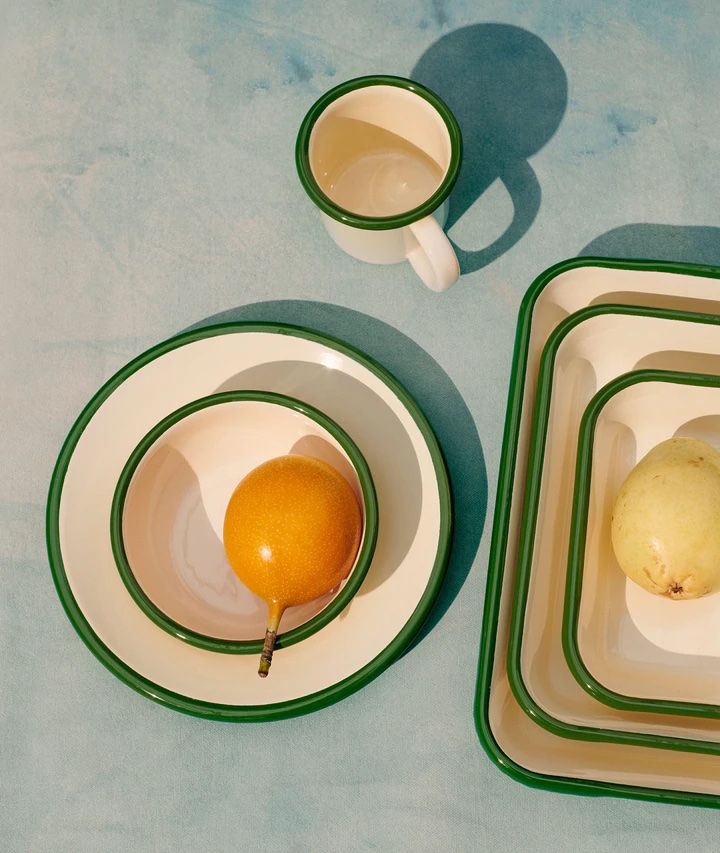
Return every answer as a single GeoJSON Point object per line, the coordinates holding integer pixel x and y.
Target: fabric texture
{"type": "Point", "coordinates": [147, 185]}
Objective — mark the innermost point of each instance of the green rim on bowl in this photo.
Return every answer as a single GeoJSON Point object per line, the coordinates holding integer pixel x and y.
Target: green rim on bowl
{"type": "Point", "coordinates": [527, 542]}
{"type": "Point", "coordinates": [576, 555]}
{"type": "Point", "coordinates": [376, 223]}
{"type": "Point", "coordinates": [333, 608]}
{"type": "Point", "coordinates": [302, 704]}
{"type": "Point", "coordinates": [500, 540]}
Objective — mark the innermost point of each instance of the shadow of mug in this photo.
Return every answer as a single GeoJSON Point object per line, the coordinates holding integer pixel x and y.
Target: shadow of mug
{"type": "Point", "coordinates": [434, 392]}
{"type": "Point", "coordinates": [508, 92]}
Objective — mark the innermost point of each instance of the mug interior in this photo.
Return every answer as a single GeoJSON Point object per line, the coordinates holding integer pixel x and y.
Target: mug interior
{"type": "Point", "coordinates": [380, 150]}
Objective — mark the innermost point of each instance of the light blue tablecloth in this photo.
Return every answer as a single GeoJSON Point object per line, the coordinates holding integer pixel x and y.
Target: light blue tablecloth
{"type": "Point", "coordinates": [147, 184]}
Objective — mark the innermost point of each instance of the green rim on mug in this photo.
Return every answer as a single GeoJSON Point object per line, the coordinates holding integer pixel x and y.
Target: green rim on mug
{"type": "Point", "coordinates": [380, 223]}
{"type": "Point", "coordinates": [578, 536]}
{"type": "Point", "coordinates": [499, 548]}
{"type": "Point", "coordinates": [527, 542]}
{"type": "Point", "coordinates": [302, 704]}
{"type": "Point", "coordinates": [333, 608]}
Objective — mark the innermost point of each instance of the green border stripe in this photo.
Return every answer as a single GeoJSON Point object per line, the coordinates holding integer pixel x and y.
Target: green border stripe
{"type": "Point", "coordinates": [576, 554]}
{"type": "Point", "coordinates": [331, 610]}
{"type": "Point", "coordinates": [376, 223]}
{"type": "Point", "coordinates": [527, 541]}
{"type": "Point", "coordinates": [499, 543]}
{"type": "Point", "coordinates": [280, 710]}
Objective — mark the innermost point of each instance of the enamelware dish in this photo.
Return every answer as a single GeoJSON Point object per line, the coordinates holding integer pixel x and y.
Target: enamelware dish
{"type": "Point", "coordinates": [167, 516]}
{"type": "Point", "coordinates": [517, 745]}
{"type": "Point", "coordinates": [583, 352]}
{"type": "Point", "coordinates": [414, 527]}
{"type": "Point", "coordinates": [379, 156]}
{"type": "Point", "coordinates": [628, 648]}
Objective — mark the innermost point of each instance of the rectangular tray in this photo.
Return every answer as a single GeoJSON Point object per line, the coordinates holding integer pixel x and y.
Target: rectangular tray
{"type": "Point", "coordinates": [515, 743]}
{"type": "Point", "coordinates": [629, 649]}
{"type": "Point", "coordinates": [587, 349]}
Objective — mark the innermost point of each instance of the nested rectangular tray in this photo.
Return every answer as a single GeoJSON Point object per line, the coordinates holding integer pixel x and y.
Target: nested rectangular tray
{"type": "Point", "coordinates": [513, 740]}
{"type": "Point", "coordinates": [632, 650]}
{"type": "Point", "coordinates": [584, 351]}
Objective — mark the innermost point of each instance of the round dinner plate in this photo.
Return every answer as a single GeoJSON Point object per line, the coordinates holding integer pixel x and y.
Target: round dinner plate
{"type": "Point", "coordinates": [413, 542]}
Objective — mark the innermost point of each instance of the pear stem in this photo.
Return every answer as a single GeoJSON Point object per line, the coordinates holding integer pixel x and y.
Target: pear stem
{"type": "Point", "coordinates": [274, 614]}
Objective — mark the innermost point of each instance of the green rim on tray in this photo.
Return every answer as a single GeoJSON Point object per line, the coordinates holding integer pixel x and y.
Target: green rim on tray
{"type": "Point", "coordinates": [527, 542]}
{"type": "Point", "coordinates": [302, 704]}
{"type": "Point", "coordinates": [377, 223]}
{"type": "Point", "coordinates": [331, 610]}
{"type": "Point", "coordinates": [499, 545]}
{"type": "Point", "coordinates": [576, 554]}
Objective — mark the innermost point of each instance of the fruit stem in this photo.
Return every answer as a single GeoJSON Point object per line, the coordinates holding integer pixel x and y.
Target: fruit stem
{"type": "Point", "coordinates": [274, 614]}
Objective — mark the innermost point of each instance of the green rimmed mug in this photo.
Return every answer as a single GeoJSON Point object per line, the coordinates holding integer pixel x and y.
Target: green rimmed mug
{"type": "Point", "coordinates": [379, 157]}
{"type": "Point", "coordinates": [169, 504]}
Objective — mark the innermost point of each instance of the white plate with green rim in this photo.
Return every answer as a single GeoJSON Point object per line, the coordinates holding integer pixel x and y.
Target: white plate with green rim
{"type": "Point", "coordinates": [402, 582]}
{"type": "Point", "coordinates": [167, 516]}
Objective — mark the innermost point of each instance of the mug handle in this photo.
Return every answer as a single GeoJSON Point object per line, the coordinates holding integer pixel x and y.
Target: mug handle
{"type": "Point", "coordinates": [431, 254]}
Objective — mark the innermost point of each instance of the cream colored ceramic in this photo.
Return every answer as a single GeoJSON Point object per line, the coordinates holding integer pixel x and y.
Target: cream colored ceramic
{"type": "Point", "coordinates": [175, 507]}
{"type": "Point", "coordinates": [379, 156]}
{"type": "Point", "coordinates": [593, 352]}
{"type": "Point", "coordinates": [424, 244]}
{"type": "Point", "coordinates": [631, 641]}
{"type": "Point", "coordinates": [408, 493]}
{"type": "Point", "coordinates": [519, 738]}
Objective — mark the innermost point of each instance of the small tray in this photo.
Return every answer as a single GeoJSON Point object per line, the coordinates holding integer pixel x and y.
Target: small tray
{"type": "Point", "coordinates": [632, 650]}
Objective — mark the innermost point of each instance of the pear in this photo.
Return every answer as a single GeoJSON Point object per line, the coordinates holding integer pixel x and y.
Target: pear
{"type": "Point", "coordinates": [666, 520]}
{"type": "Point", "coordinates": [291, 533]}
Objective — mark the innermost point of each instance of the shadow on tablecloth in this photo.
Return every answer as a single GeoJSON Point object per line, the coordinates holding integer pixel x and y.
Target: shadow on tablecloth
{"type": "Point", "coordinates": [508, 92]}
{"type": "Point", "coordinates": [436, 394]}
{"type": "Point", "coordinates": [696, 244]}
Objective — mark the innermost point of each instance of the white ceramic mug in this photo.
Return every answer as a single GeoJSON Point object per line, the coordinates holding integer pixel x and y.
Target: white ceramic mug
{"type": "Point", "coordinates": [379, 156]}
